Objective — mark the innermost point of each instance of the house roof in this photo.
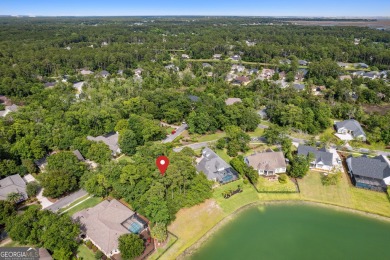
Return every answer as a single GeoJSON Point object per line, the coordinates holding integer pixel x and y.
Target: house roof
{"type": "Point", "coordinates": [86, 72]}
{"type": "Point", "coordinates": [44, 254]}
{"type": "Point", "coordinates": [50, 84]}
{"type": "Point", "coordinates": [351, 125]}
{"type": "Point", "coordinates": [103, 223]}
{"type": "Point", "coordinates": [302, 62]}
{"type": "Point", "coordinates": [214, 167]}
{"type": "Point", "coordinates": [13, 183]}
{"type": "Point", "coordinates": [78, 155]}
{"type": "Point", "coordinates": [268, 161]}
{"type": "Point", "coordinates": [377, 167]}
{"type": "Point", "coordinates": [193, 98]}
{"type": "Point", "coordinates": [231, 101]}
{"type": "Point", "coordinates": [242, 79]}
{"type": "Point", "coordinates": [298, 86]}
{"type": "Point", "coordinates": [320, 155]}
{"type": "Point", "coordinates": [110, 139]}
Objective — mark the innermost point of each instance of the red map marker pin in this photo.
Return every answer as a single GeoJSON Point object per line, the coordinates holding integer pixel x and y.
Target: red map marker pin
{"type": "Point", "coordinates": [162, 163]}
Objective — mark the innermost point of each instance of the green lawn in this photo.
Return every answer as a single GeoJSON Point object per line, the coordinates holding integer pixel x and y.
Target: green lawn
{"type": "Point", "coordinates": [258, 132]}
{"type": "Point", "coordinates": [210, 137]}
{"type": "Point", "coordinates": [229, 205]}
{"type": "Point", "coordinates": [160, 250]}
{"type": "Point", "coordinates": [223, 155]}
{"type": "Point", "coordinates": [86, 204]}
{"type": "Point", "coordinates": [265, 185]}
{"type": "Point", "coordinates": [73, 203]}
{"type": "Point", "coordinates": [85, 253]}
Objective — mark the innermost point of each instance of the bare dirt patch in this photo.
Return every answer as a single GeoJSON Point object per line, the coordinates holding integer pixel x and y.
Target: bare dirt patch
{"type": "Point", "coordinates": [382, 109]}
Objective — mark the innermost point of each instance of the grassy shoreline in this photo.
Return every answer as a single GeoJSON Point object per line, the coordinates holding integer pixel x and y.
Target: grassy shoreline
{"type": "Point", "coordinates": [193, 225]}
{"type": "Point", "coordinates": [194, 247]}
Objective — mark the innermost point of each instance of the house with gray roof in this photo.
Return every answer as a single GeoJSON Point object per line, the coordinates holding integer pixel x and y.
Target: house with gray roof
{"type": "Point", "coordinates": [361, 65]}
{"type": "Point", "coordinates": [111, 140]}
{"type": "Point", "coordinates": [215, 168]}
{"type": "Point", "coordinates": [298, 86]}
{"type": "Point", "coordinates": [79, 156]}
{"type": "Point", "coordinates": [13, 183]}
{"type": "Point", "coordinates": [369, 173]}
{"type": "Point", "coordinates": [217, 56]}
{"type": "Point", "coordinates": [267, 163]}
{"type": "Point", "coordinates": [302, 62]}
{"type": "Point", "coordinates": [352, 128]}
{"type": "Point", "coordinates": [9, 109]}
{"type": "Point", "coordinates": [322, 160]}
{"type": "Point", "coordinates": [231, 101]}
{"type": "Point", "coordinates": [106, 222]}
{"type": "Point", "coordinates": [104, 74]}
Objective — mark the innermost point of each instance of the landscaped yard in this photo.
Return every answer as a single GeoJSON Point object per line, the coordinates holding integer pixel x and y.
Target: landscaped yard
{"type": "Point", "coordinates": [93, 201]}
{"type": "Point", "coordinates": [265, 185]}
{"type": "Point", "coordinates": [85, 253]}
{"type": "Point", "coordinates": [160, 250]}
{"type": "Point", "coordinates": [210, 137]}
{"type": "Point", "coordinates": [258, 132]}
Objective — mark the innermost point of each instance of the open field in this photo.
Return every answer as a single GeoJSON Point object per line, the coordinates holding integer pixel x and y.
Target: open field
{"type": "Point", "coordinates": [371, 24]}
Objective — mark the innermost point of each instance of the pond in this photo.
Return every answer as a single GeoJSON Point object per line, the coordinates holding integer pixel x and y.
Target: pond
{"type": "Point", "coordinates": [298, 231]}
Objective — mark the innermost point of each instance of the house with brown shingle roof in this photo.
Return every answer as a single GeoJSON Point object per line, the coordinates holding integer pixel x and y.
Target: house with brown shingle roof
{"type": "Point", "coordinates": [267, 163]}
{"type": "Point", "coordinates": [106, 222]}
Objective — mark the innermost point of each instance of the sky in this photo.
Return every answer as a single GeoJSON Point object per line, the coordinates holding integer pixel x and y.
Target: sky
{"type": "Point", "coordinates": [350, 8]}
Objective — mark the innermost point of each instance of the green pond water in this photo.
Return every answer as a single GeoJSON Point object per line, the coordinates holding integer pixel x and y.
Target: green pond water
{"type": "Point", "coordinates": [295, 231]}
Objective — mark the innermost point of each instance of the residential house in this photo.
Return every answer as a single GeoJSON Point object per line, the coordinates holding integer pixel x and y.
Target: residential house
{"type": "Point", "coordinates": [236, 57]}
{"type": "Point", "coordinates": [285, 61]}
{"type": "Point", "coordinates": [242, 80]}
{"type": "Point", "coordinates": [85, 72]}
{"type": "Point", "coordinates": [13, 183]}
{"type": "Point", "coordinates": [250, 43]}
{"type": "Point", "coordinates": [106, 222]}
{"type": "Point", "coordinates": [302, 62]}
{"type": "Point", "coordinates": [383, 74]}
{"type": "Point", "coordinates": [267, 73]}
{"type": "Point", "coordinates": [318, 90]}
{"type": "Point", "coordinates": [298, 86]}
{"type": "Point", "coordinates": [253, 71]}
{"type": "Point", "coordinates": [9, 109]}
{"type": "Point", "coordinates": [217, 56]}
{"type": "Point", "coordinates": [342, 64]}
{"type": "Point", "coordinates": [104, 43]}
{"type": "Point", "coordinates": [104, 74]}
{"type": "Point", "coordinates": [50, 84]}
{"type": "Point", "coordinates": [282, 83]}
{"type": "Point", "coordinates": [267, 163]}
{"type": "Point", "coordinates": [206, 65]}
{"type": "Point", "coordinates": [361, 65]}
{"type": "Point", "coordinates": [323, 159]}
{"type": "Point", "coordinates": [194, 98]}
{"type": "Point", "coordinates": [185, 56]}
{"type": "Point", "coordinates": [79, 88]}
{"type": "Point", "coordinates": [111, 140]}
{"type": "Point", "coordinates": [215, 168]}
{"type": "Point", "coordinates": [356, 41]}
{"type": "Point", "coordinates": [262, 113]}
{"type": "Point", "coordinates": [350, 129]}
{"type": "Point", "coordinates": [231, 101]}
{"type": "Point", "coordinates": [371, 75]}
{"type": "Point", "coordinates": [301, 74]}
{"type": "Point", "coordinates": [172, 67]}
{"type": "Point", "coordinates": [358, 73]}
{"type": "Point", "coordinates": [369, 173]}
{"type": "Point", "coordinates": [344, 77]}
{"type": "Point", "coordinates": [238, 68]}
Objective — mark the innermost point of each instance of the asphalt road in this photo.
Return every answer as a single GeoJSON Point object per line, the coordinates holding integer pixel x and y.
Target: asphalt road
{"type": "Point", "coordinates": [171, 137]}
{"type": "Point", "coordinates": [65, 201]}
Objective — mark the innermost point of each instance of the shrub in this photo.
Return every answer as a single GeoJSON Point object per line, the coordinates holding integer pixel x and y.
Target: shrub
{"type": "Point", "coordinates": [283, 178]}
{"type": "Point", "coordinates": [32, 188]}
{"type": "Point", "coordinates": [94, 248]}
{"type": "Point", "coordinates": [99, 255]}
{"type": "Point", "coordinates": [330, 179]}
{"type": "Point", "coordinates": [246, 181]}
{"type": "Point", "coordinates": [221, 143]}
{"type": "Point", "coordinates": [88, 243]}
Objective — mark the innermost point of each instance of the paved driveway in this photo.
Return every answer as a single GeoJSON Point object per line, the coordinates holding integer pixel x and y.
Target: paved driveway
{"type": "Point", "coordinates": [179, 130]}
{"type": "Point", "coordinates": [65, 201]}
{"type": "Point", "coordinates": [45, 202]}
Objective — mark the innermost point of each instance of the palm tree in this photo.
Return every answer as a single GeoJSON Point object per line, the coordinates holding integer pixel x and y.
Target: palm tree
{"type": "Point", "coordinates": [14, 197]}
